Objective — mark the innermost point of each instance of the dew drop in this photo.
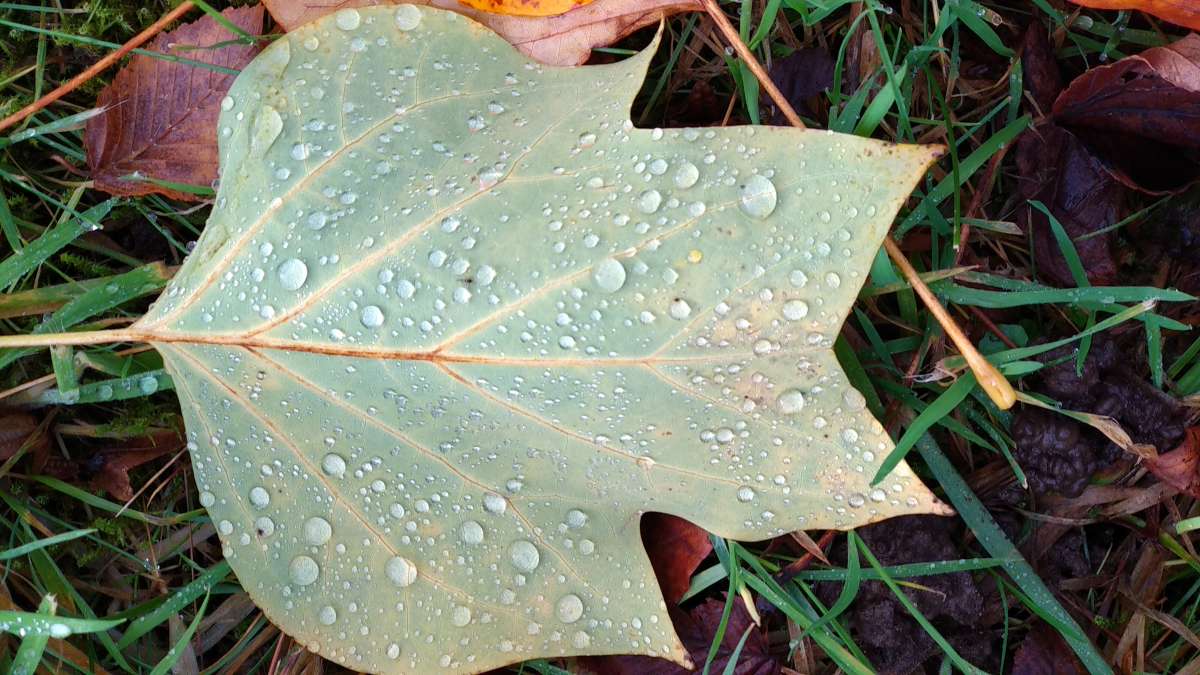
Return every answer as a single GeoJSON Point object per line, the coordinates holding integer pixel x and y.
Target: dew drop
{"type": "Point", "coordinates": [292, 274]}
{"type": "Point", "coordinates": [794, 310]}
{"type": "Point", "coordinates": [207, 499]}
{"type": "Point", "coordinates": [832, 280]}
{"type": "Point", "coordinates": [303, 570]}
{"type": "Point", "coordinates": [311, 43]}
{"type": "Point", "coordinates": [576, 519]}
{"type": "Point", "coordinates": [649, 201]}
{"type": "Point", "coordinates": [524, 555]}
{"type": "Point", "coordinates": [569, 608]}
{"type": "Point", "coordinates": [791, 402]}
{"type": "Point", "coordinates": [372, 316]}
{"type": "Point", "coordinates": [401, 571]}
{"type": "Point", "coordinates": [60, 631]}
{"type": "Point", "coordinates": [745, 493]}
{"type": "Point", "coordinates": [264, 526]}
{"type": "Point", "coordinates": [686, 175]}
{"type": "Point", "coordinates": [227, 103]}
{"type": "Point", "coordinates": [679, 309]}
{"type": "Point", "coordinates": [333, 465]}
{"type": "Point", "coordinates": [259, 497]}
{"type": "Point", "coordinates": [494, 503]}
{"type": "Point", "coordinates": [758, 197]}
{"type": "Point", "coordinates": [148, 384]}
{"type": "Point", "coordinates": [347, 19]}
{"type": "Point", "coordinates": [461, 616]}
{"type": "Point", "coordinates": [327, 616]}
{"type": "Point", "coordinates": [408, 17]}
{"type": "Point", "coordinates": [609, 275]}
{"type": "Point", "coordinates": [317, 531]}
{"type": "Point", "coordinates": [471, 532]}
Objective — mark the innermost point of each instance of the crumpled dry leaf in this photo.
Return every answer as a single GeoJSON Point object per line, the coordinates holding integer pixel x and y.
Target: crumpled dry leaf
{"type": "Point", "coordinates": [1043, 652]}
{"type": "Point", "coordinates": [564, 40]}
{"type": "Point", "coordinates": [1182, 12]}
{"type": "Point", "coordinates": [525, 7]}
{"type": "Point", "coordinates": [1055, 168]}
{"type": "Point", "coordinates": [1180, 468]}
{"type": "Point", "coordinates": [1141, 116]}
{"type": "Point", "coordinates": [108, 468]}
{"type": "Point", "coordinates": [161, 117]}
{"type": "Point", "coordinates": [15, 430]}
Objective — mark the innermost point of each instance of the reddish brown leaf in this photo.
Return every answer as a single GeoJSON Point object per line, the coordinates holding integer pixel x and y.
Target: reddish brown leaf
{"type": "Point", "coordinates": [15, 430]}
{"type": "Point", "coordinates": [161, 118]}
{"type": "Point", "coordinates": [676, 547]}
{"type": "Point", "coordinates": [1182, 12]}
{"type": "Point", "coordinates": [697, 629]}
{"type": "Point", "coordinates": [1043, 652]}
{"type": "Point", "coordinates": [563, 40]}
{"type": "Point", "coordinates": [1055, 168]}
{"type": "Point", "coordinates": [108, 468]}
{"type": "Point", "coordinates": [1141, 116]}
{"type": "Point", "coordinates": [1180, 468]}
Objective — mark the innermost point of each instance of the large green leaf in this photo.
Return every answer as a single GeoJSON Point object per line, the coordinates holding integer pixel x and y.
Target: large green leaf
{"type": "Point", "coordinates": [455, 324]}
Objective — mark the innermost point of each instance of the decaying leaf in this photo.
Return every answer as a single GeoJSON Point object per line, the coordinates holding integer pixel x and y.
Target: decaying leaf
{"type": "Point", "coordinates": [161, 116]}
{"type": "Point", "coordinates": [1180, 468]}
{"type": "Point", "coordinates": [455, 325]}
{"type": "Point", "coordinates": [525, 7]}
{"type": "Point", "coordinates": [1182, 12]}
{"type": "Point", "coordinates": [564, 40]}
{"type": "Point", "coordinates": [676, 548]}
{"type": "Point", "coordinates": [1057, 169]}
{"type": "Point", "coordinates": [1141, 116]}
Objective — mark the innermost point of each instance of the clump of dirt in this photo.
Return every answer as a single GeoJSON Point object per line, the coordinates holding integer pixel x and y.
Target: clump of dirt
{"type": "Point", "coordinates": [890, 637]}
{"type": "Point", "coordinates": [1059, 454]}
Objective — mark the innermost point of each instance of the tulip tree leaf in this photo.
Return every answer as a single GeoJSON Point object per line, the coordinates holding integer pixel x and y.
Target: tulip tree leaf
{"type": "Point", "coordinates": [455, 324]}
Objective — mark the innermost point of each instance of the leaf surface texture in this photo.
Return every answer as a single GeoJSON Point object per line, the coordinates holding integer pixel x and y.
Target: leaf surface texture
{"type": "Point", "coordinates": [455, 325]}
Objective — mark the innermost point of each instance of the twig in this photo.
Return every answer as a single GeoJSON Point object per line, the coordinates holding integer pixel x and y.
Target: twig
{"type": "Point", "coordinates": [73, 84]}
{"type": "Point", "coordinates": [735, 41]}
{"type": "Point", "coordinates": [990, 379]}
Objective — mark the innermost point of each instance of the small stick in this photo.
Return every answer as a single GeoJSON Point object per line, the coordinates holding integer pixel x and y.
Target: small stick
{"type": "Point", "coordinates": [735, 40]}
{"type": "Point", "coordinates": [93, 70]}
{"type": "Point", "coordinates": [990, 379]}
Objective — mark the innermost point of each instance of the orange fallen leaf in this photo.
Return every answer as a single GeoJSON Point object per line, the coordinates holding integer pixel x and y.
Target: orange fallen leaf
{"type": "Point", "coordinates": [1182, 12]}
{"type": "Point", "coordinates": [525, 7]}
{"type": "Point", "coordinates": [161, 116]}
{"type": "Point", "coordinates": [564, 40]}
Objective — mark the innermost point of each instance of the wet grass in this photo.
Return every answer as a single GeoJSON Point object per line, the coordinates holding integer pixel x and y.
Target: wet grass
{"type": "Point", "coordinates": [144, 583]}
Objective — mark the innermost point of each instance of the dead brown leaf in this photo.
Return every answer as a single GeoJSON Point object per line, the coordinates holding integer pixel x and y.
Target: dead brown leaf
{"type": "Point", "coordinates": [1180, 468]}
{"type": "Point", "coordinates": [1044, 652]}
{"type": "Point", "coordinates": [563, 40]}
{"type": "Point", "coordinates": [1182, 12]}
{"type": "Point", "coordinates": [676, 548]}
{"type": "Point", "coordinates": [15, 430]}
{"type": "Point", "coordinates": [1141, 116]}
{"type": "Point", "coordinates": [161, 116]}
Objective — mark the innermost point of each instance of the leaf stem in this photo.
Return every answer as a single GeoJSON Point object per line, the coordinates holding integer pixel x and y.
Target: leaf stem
{"type": "Point", "coordinates": [990, 379]}
{"type": "Point", "coordinates": [89, 337]}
